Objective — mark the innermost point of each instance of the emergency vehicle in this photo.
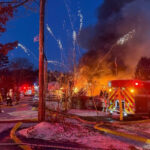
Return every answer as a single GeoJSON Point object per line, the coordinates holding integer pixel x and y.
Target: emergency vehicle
{"type": "Point", "coordinates": [27, 90]}
{"type": "Point", "coordinates": [133, 94]}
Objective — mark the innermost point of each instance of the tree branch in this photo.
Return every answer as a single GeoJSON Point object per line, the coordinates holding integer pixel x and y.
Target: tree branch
{"type": "Point", "coordinates": [9, 2]}
{"type": "Point", "coordinates": [18, 4]}
{"type": "Point", "coordinates": [22, 3]}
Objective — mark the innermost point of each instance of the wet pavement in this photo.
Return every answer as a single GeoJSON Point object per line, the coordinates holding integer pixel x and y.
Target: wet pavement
{"type": "Point", "coordinates": [23, 110]}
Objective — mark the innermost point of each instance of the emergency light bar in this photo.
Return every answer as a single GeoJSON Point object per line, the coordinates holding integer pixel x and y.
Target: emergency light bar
{"type": "Point", "coordinates": [125, 83]}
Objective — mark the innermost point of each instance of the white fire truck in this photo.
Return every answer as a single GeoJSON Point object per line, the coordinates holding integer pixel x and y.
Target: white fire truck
{"type": "Point", "coordinates": [133, 94]}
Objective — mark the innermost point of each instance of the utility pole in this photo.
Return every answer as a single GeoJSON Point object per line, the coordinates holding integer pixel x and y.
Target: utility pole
{"type": "Point", "coordinates": [45, 77]}
{"type": "Point", "coordinates": [41, 110]}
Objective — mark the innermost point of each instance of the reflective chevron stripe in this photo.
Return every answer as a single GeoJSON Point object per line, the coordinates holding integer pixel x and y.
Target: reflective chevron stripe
{"type": "Point", "coordinates": [126, 96]}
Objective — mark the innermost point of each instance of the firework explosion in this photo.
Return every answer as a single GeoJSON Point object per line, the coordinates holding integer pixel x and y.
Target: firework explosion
{"type": "Point", "coordinates": [75, 54]}
{"type": "Point", "coordinates": [24, 49]}
{"type": "Point", "coordinates": [126, 37]}
{"type": "Point", "coordinates": [27, 51]}
{"type": "Point", "coordinates": [81, 20]}
{"type": "Point", "coordinates": [57, 63]}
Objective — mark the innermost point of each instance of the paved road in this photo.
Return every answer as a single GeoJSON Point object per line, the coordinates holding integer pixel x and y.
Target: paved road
{"type": "Point", "coordinates": [5, 140]}
{"type": "Point", "coordinates": [21, 111]}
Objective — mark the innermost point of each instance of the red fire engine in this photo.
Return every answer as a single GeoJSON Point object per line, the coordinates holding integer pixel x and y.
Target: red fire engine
{"type": "Point", "coordinates": [27, 90]}
{"type": "Point", "coordinates": [134, 95]}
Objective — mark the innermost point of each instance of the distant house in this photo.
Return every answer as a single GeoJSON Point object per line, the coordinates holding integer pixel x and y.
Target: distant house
{"type": "Point", "coordinates": [53, 86]}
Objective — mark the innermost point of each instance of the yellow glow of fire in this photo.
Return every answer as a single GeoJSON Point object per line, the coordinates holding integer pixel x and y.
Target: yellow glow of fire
{"type": "Point", "coordinates": [110, 90]}
{"type": "Point", "coordinates": [132, 90]}
{"type": "Point", "coordinates": [75, 90]}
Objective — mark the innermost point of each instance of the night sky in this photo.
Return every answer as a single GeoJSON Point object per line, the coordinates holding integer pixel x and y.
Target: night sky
{"type": "Point", "coordinates": [62, 18]}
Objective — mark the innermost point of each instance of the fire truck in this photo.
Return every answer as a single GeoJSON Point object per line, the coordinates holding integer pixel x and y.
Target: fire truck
{"type": "Point", "coordinates": [133, 95]}
{"type": "Point", "coordinates": [27, 90]}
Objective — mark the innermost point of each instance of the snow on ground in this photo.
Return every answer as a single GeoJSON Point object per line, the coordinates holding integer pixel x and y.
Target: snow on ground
{"type": "Point", "coordinates": [136, 129]}
{"type": "Point", "coordinates": [28, 114]}
{"type": "Point", "coordinates": [80, 112]}
{"type": "Point", "coordinates": [77, 133]}
{"type": "Point", "coordinates": [145, 127]}
{"type": "Point", "coordinates": [53, 105]}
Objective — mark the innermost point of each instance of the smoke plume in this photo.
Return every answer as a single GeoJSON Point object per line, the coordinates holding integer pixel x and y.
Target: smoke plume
{"type": "Point", "coordinates": [116, 18]}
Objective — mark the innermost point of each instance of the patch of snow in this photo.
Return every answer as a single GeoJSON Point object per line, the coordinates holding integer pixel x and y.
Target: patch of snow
{"type": "Point", "coordinates": [29, 114]}
{"type": "Point", "coordinates": [52, 105]}
{"type": "Point", "coordinates": [72, 133]}
{"type": "Point", "coordinates": [80, 112]}
{"type": "Point", "coordinates": [134, 128]}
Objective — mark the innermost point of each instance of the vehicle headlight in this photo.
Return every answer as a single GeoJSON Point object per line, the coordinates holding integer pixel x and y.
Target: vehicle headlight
{"type": "Point", "coordinates": [125, 114]}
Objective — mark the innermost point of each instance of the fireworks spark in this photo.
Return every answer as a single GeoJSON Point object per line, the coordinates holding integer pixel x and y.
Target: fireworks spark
{"type": "Point", "coordinates": [50, 31]}
{"type": "Point", "coordinates": [52, 34]}
{"type": "Point", "coordinates": [81, 19]}
{"type": "Point", "coordinates": [24, 48]}
{"type": "Point", "coordinates": [126, 37]}
{"type": "Point", "coordinates": [60, 44]}
{"type": "Point", "coordinates": [57, 63]}
{"type": "Point", "coordinates": [74, 35]}
{"type": "Point", "coordinates": [27, 51]}
{"type": "Point", "coordinates": [69, 14]}
{"type": "Point", "coordinates": [57, 40]}
{"type": "Point", "coordinates": [121, 41]}
{"type": "Point", "coordinates": [53, 62]}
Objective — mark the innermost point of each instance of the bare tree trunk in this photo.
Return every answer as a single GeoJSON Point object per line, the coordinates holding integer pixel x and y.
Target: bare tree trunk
{"type": "Point", "coordinates": [41, 111]}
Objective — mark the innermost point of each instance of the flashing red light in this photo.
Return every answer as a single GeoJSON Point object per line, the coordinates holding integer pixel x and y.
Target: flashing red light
{"type": "Point", "coordinates": [138, 84]}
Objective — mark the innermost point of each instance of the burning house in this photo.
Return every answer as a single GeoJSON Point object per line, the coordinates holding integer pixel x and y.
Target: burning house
{"type": "Point", "coordinates": [115, 43]}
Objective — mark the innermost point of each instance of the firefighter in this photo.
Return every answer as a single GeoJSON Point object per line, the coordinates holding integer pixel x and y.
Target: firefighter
{"type": "Point", "coordinates": [1, 99]}
{"type": "Point", "coordinates": [101, 93]}
{"type": "Point", "coordinates": [9, 97]}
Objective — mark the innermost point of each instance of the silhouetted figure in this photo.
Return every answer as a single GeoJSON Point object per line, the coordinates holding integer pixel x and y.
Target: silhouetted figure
{"type": "Point", "coordinates": [9, 97]}
{"type": "Point", "coordinates": [101, 93]}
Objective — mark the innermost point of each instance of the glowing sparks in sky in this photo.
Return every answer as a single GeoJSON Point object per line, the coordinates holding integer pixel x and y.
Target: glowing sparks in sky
{"type": "Point", "coordinates": [74, 33]}
{"type": "Point", "coordinates": [126, 37]}
{"type": "Point", "coordinates": [27, 51]}
{"type": "Point", "coordinates": [52, 34]}
{"type": "Point", "coordinates": [57, 63]}
{"type": "Point", "coordinates": [60, 44]}
{"type": "Point", "coordinates": [74, 36]}
{"type": "Point", "coordinates": [24, 48]}
{"type": "Point", "coordinates": [81, 19]}
{"type": "Point", "coordinates": [50, 31]}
